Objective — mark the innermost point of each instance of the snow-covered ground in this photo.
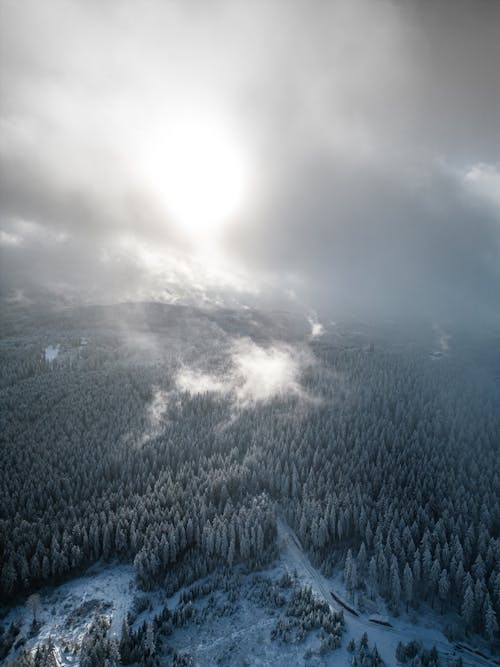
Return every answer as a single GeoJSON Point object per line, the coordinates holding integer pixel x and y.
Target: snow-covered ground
{"type": "Point", "coordinates": [427, 630]}
{"type": "Point", "coordinates": [65, 612]}
{"type": "Point", "coordinates": [241, 638]}
{"type": "Point", "coordinates": [226, 630]}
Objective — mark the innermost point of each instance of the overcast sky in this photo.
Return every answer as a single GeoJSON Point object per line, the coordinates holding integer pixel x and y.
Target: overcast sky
{"type": "Point", "coordinates": [345, 154]}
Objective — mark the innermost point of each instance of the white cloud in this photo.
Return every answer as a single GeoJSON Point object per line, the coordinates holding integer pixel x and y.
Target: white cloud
{"type": "Point", "coordinates": [442, 339]}
{"type": "Point", "coordinates": [263, 373]}
{"type": "Point", "coordinates": [195, 382]}
{"type": "Point", "coordinates": [256, 374]}
{"type": "Point", "coordinates": [8, 239]}
{"type": "Point", "coordinates": [317, 329]}
{"type": "Point", "coordinates": [484, 181]}
{"type": "Point", "coordinates": [18, 231]}
{"type": "Point", "coordinates": [158, 406]}
{"type": "Point", "coordinates": [155, 411]}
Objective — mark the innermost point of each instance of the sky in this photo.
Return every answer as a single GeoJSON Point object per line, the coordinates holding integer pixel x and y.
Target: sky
{"type": "Point", "coordinates": [339, 157]}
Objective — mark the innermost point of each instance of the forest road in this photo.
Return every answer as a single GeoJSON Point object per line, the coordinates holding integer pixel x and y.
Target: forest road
{"type": "Point", "coordinates": [296, 560]}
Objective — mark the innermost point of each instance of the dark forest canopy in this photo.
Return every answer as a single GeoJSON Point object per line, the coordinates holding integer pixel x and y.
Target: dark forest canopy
{"type": "Point", "coordinates": [387, 463]}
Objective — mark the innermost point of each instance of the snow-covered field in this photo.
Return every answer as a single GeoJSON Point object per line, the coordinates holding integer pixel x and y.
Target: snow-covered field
{"type": "Point", "coordinates": [65, 612]}
{"type": "Point", "coordinates": [226, 629]}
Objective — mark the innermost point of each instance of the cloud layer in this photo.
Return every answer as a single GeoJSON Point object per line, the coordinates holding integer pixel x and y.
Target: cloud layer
{"type": "Point", "coordinates": [371, 130]}
{"type": "Point", "coordinates": [255, 374]}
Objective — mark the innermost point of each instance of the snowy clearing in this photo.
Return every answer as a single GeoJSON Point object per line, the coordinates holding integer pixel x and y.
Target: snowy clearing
{"type": "Point", "coordinates": [224, 630]}
{"type": "Point", "coordinates": [66, 611]}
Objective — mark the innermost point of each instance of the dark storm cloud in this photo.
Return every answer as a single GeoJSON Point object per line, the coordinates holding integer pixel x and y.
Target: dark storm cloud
{"type": "Point", "coordinates": [373, 128]}
{"type": "Point", "coordinates": [371, 243]}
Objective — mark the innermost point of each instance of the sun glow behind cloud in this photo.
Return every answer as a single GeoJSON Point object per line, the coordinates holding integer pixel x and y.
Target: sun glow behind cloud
{"type": "Point", "coordinates": [198, 170]}
{"type": "Point", "coordinates": [180, 153]}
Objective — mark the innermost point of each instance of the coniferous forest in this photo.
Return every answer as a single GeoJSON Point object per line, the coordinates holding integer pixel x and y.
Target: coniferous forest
{"type": "Point", "coordinates": [383, 458]}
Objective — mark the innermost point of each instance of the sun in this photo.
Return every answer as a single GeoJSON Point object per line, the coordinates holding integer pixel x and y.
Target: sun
{"type": "Point", "coordinates": [197, 169]}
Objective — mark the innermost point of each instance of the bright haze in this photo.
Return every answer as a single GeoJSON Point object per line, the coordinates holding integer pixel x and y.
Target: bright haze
{"type": "Point", "coordinates": [341, 157]}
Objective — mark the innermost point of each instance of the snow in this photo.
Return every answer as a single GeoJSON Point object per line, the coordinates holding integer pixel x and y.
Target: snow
{"type": "Point", "coordinates": [108, 590]}
{"type": "Point", "coordinates": [427, 631]}
{"type": "Point", "coordinates": [229, 640]}
{"type": "Point", "coordinates": [295, 561]}
{"type": "Point", "coordinates": [226, 632]}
